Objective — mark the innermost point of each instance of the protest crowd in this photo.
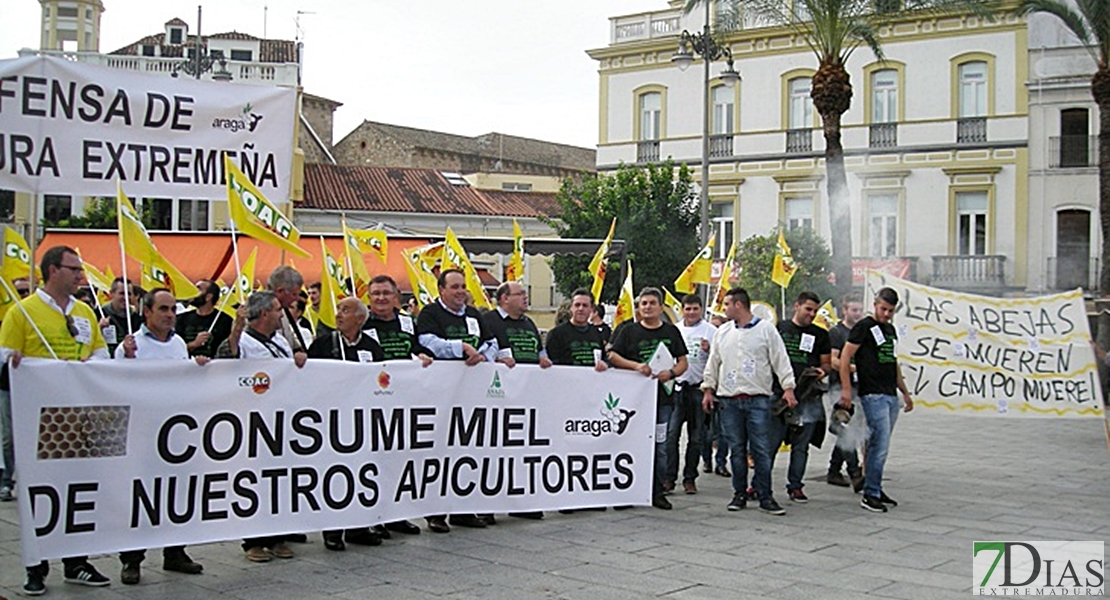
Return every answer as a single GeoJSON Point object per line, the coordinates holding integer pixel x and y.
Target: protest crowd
{"type": "Point", "coordinates": [741, 386]}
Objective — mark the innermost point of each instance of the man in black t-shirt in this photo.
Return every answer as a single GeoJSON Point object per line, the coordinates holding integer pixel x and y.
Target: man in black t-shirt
{"type": "Point", "coordinates": [451, 330]}
{"type": "Point", "coordinates": [578, 342]}
{"type": "Point", "coordinates": [518, 338]}
{"type": "Point", "coordinates": [807, 345]}
{"type": "Point", "coordinates": [633, 346]}
{"type": "Point", "coordinates": [844, 451]}
{"type": "Point", "coordinates": [871, 344]}
{"type": "Point", "coordinates": [597, 319]}
{"type": "Point", "coordinates": [196, 326]}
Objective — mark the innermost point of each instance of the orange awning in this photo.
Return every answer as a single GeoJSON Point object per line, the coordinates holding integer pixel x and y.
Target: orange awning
{"type": "Point", "coordinates": [208, 255]}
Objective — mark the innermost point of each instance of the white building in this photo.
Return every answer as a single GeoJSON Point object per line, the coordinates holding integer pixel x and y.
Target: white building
{"type": "Point", "coordinates": [937, 141]}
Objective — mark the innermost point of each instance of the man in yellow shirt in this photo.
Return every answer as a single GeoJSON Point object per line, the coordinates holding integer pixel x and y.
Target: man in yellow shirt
{"type": "Point", "coordinates": [63, 328]}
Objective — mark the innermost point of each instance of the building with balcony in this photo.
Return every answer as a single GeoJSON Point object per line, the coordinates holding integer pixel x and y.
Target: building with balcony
{"type": "Point", "coordinates": [938, 141]}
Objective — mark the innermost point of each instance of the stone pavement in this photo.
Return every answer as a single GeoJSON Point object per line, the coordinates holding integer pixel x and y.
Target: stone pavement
{"type": "Point", "coordinates": [958, 479]}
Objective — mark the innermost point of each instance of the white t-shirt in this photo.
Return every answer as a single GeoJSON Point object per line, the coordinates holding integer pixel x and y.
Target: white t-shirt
{"type": "Point", "coordinates": [148, 347]}
{"type": "Point", "coordinates": [695, 356]}
{"type": "Point", "coordinates": [252, 348]}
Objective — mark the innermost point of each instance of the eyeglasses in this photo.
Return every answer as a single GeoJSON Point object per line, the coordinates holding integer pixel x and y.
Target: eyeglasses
{"type": "Point", "coordinates": [71, 327]}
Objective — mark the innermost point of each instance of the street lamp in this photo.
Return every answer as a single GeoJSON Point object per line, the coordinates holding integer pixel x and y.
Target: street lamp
{"type": "Point", "coordinates": [202, 63]}
{"type": "Point", "coordinates": [702, 44]}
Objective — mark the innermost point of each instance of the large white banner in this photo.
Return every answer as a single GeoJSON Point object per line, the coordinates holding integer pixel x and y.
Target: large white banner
{"type": "Point", "coordinates": [1014, 357]}
{"type": "Point", "coordinates": [73, 128]}
{"type": "Point", "coordinates": [118, 455]}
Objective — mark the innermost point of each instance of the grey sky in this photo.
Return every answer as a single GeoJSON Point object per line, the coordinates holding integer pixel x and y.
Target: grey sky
{"type": "Point", "coordinates": [460, 66]}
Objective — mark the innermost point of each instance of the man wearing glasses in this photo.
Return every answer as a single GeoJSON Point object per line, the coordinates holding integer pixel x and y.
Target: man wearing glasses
{"type": "Point", "coordinates": [69, 328]}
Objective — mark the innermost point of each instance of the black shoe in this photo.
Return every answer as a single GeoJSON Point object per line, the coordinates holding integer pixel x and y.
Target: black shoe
{"type": "Point", "coordinates": [661, 503]}
{"type": "Point", "coordinates": [872, 504]}
{"type": "Point", "coordinates": [739, 501]}
{"type": "Point", "coordinates": [362, 537]}
{"type": "Point", "coordinates": [467, 521]}
{"type": "Point", "coordinates": [857, 483]}
{"type": "Point", "coordinates": [838, 479]}
{"type": "Point", "coordinates": [707, 468]}
{"type": "Point", "coordinates": [887, 499]}
{"type": "Point", "coordinates": [35, 584]}
{"type": "Point", "coordinates": [297, 538]}
{"type": "Point", "coordinates": [488, 518]}
{"type": "Point", "coordinates": [181, 563]}
{"type": "Point", "coordinates": [797, 496]}
{"type": "Point", "coordinates": [129, 574]}
{"type": "Point", "coordinates": [405, 527]}
{"type": "Point", "coordinates": [532, 516]}
{"type": "Point", "coordinates": [335, 544]}
{"type": "Point", "coordinates": [723, 472]}
{"type": "Point", "coordinates": [668, 486]}
{"type": "Point", "coordinates": [771, 507]}
{"type": "Point", "coordinates": [86, 574]}
{"type": "Point", "coordinates": [380, 531]}
{"type": "Point", "coordinates": [438, 525]}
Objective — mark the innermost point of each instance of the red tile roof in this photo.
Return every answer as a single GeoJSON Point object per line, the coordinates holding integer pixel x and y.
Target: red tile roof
{"type": "Point", "coordinates": [269, 51]}
{"type": "Point", "coordinates": [387, 189]}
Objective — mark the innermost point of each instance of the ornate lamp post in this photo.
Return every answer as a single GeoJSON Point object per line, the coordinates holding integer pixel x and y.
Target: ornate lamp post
{"type": "Point", "coordinates": [702, 44]}
{"type": "Point", "coordinates": [202, 63]}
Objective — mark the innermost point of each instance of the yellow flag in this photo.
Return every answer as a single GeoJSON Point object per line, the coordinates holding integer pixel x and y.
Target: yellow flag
{"type": "Point", "coordinates": [826, 316]}
{"type": "Point", "coordinates": [784, 267]}
{"type": "Point", "coordinates": [600, 263]}
{"type": "Point", "coordinates": [515, 270]}
{"type": "Point", "coordinates": [626, 304]}
{"type": "Point", "coordinates": [700, 270]}
{"type": "Point", "coordinates": [725, 281]}
{"type": "Point", "coordinates": [17, 255]}
{"type": "Point", "coordinates": [672, 303]}
{"type": "Point", "coordinates": [427, 256]}
{"type": "Point", "coordinates": [99, 282]}
{"type": "Point", "coordinates": [369, 241]}
{"type": "Point", "coordinates": [244, 285]}
{"type": "Point", "coordinates": [157, 270]}
{"type": "Point", "coordinates": [331, 286]}
{"type": "Point", "coordinates": [420, 284]}
{"type": "Point", "coordinates": [455, 257]}
{"type": "Point", "coordinates": [255, 216]}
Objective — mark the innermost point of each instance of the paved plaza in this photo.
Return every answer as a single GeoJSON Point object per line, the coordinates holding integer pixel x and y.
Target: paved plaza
{"type": "Point", "coordinates": [958, 479]}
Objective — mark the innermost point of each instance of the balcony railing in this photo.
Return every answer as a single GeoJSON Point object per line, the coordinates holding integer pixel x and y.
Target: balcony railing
{"type": "Point", "coordinates": [241, 71]}
{"type": "Point", "coordinates": [1071, 151]}
{"type": "Point", "coordinates": [971, 130]}
{"type": "Point", "coordinates": [645, 26]}
{"type": "Point", "coordinates": [799, 141]}
{"type": "Point", "coordinates": [1073, 272]}
{"type": "Point", "coordinates": [647, 151]}
{"type": "Point", "coordinates": [720, 145]}
{"type": "Point", "coordinates": [884, 135]}
{"type": "Point", "coordinates": [979, 272]}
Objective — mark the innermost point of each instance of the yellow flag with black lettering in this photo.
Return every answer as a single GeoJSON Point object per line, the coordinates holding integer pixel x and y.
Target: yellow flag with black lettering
{"type": "Point", "coordinates": [455, 257]}
{"type": "Point", "coordinates": [700, 270]}
{"type": "Point", "coordinates": [256, 216]}
{"type": "Point", "coordinates": [626, 304]}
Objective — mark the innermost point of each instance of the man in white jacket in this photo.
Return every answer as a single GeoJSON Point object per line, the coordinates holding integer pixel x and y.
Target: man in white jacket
{"type": "Point", "coordinates": [744, 354]}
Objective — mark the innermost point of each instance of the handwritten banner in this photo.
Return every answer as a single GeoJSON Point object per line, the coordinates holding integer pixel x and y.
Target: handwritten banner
{"type": "Point", "coordinates": [73, 128]}
{"type": "Point", "coordinates": [117, 455]}
{"type": "Point", "coordinates": [1025, 357]}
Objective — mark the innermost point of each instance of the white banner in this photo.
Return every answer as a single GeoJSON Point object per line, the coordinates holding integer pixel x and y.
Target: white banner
{"type": "Point", "coordinates": [118, 455]}
{"type": "Point", "coordinates": [969, 354]}
{"type": "Point", "coordinates": [73, 128]}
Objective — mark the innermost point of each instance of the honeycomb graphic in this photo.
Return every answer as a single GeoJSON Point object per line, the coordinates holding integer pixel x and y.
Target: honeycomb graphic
{"type": "Point", "coordinates": [82, 431]}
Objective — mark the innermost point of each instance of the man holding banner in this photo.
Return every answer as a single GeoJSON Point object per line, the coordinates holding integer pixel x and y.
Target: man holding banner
{"type": "Point", "coordinates": [204, 328]}
{"type": "Point", "coordinates": [52, 324]}
{"type": "Point", "coordinates": [871, 344]}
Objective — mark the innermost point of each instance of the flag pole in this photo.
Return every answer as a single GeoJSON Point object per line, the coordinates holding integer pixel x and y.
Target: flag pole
{"type": "Point", "coordinates": [331, 292]}
{"type": "Point", "coordinates": [123, 259]}
{"type": "Point", "coordinates": [238, 272]}
{"type": "Point", "coordinates": [11, 294]}
{"type": "Point", "coordinates": [347, 255]}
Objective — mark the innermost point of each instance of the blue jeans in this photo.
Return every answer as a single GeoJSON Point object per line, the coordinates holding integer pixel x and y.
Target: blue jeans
{"type": "Point", "coordinates": [7, 446]}
{"type": "Point", "coordinates": [799, 454]}
{"type": "Point", "coordinates": [662, 417]}
{"type": "Point", "coordinates": [687, 409]}
{"type": "Point", "coordinates": [882, 413]}
{"type": "Point", "coordinates": [711, 432]}
{"type": "Point", "coordinates": [746, 423]}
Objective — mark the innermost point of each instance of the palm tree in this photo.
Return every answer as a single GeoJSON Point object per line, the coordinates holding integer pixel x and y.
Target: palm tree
{"type": "Point", "coordinates": [833, 30]}
{"type": "Point", "coordinates": [1091, 24]}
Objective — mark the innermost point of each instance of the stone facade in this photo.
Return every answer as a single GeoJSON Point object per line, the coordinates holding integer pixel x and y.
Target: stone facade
{"type": "Point", "coordinates": [319, 112]}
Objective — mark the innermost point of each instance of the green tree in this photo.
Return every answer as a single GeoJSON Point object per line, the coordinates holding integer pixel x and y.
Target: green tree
{"type": "Point", "coordinates": [657, 217]}
{"type": "Point", "coordinates": [756, 255]}
{"type": "Point", "coordinates": [100, 213]}
{"type": "Point", "coordinates": [833, 30]}
{"type": "Point", "coordinates": [1089, 20]}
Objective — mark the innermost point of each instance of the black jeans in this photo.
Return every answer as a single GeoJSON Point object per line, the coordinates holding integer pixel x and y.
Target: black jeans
{"type": "Point", "coordinates": [687, 409]}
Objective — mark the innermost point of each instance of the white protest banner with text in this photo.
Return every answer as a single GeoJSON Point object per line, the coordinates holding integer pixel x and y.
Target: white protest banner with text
{"type": "Point", "coordinates": [73, 128]}
{"type": "Point", "coordinates": [969, 354]}
{"type": "Point", "coordinates": [118, 455]}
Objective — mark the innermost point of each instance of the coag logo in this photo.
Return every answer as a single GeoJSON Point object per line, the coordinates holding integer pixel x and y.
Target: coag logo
{"type": "Point", "coordinates": [259, 382]}
{"type": "Point", "coordinates": [614, 419]}
{"type": "Point", "coordinates": [495, 390]}
{"type": "Point", "coordinates": [12, 250]}
{"type": "Point", "coordinates": [1038, 568]}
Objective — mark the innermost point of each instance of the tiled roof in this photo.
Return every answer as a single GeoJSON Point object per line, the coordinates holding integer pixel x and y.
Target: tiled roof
{"type": "Point", "coordinates": [177, 21]}
{"type": "Point", "coordinates": [525, 150]}
{"type": "Point", "coordinates": [386, 189]}
{"type": "Point", "coordinates": [269, 51]}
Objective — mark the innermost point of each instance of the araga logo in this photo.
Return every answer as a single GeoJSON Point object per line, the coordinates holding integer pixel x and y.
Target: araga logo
{"type": "Point", "coordinates": [614, 420]}
{"type": "Point", "coordinates": [246, 120]}
{"type": "Point", "coordinates": [383, 384]}
{"type": "Point", "coordinates": [259, 383]}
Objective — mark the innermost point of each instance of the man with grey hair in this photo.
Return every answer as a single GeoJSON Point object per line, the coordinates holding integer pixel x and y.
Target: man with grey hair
{"type": "Point", "coordinates": [286, 283]}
